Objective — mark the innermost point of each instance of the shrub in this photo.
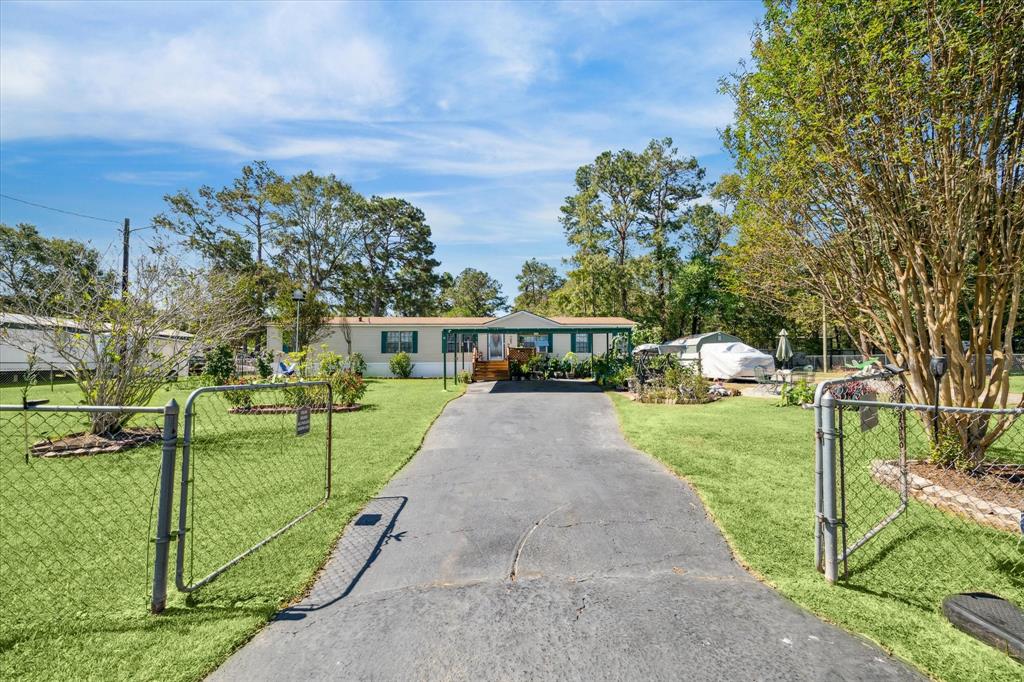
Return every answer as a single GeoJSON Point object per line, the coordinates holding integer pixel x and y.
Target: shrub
{"type": "Point", "coordinates": [537, 363]}
{"type": "Point", "coordinates": [330, 363]}
{"type": "Point", "coordinates": [796, 394]}
{"type": "Point", "coordinates": [239, 399]}
{"type": "Point", "coordinates": [466, 377]}
{"type": "Point", "coordinates": [265, 364]}
{"type": "Point", "coordinates": [401, 365]}
{"type": "Point", "coordinates": [220, 365]}
{"type": "Point", "coordinates": [357, 364]}
{"type": "Point", "coordinates": [347, 387]}
{"type": "Point", "coordinates": [692, 384]}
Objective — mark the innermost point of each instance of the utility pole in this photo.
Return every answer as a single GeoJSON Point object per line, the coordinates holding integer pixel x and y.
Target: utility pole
{"type": "Point", "coordinates": [124, 258]}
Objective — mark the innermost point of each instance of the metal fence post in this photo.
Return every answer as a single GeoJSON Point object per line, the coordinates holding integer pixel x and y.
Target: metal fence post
{"type": "Point", "coordinates": [166, 501]}
{"type": "Point", "coordinates": [828, 485]}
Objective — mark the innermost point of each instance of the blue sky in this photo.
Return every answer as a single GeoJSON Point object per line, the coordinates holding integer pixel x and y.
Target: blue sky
{"type": "Point", "coordinates": [478, 113]}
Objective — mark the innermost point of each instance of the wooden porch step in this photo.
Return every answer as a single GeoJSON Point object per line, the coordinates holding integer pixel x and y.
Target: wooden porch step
{"type": "Point", "coordinates": [491, 370]}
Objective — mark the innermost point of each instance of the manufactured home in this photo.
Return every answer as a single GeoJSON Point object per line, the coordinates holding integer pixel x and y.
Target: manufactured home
{"type": "Point", "coordinates": [446, 345]}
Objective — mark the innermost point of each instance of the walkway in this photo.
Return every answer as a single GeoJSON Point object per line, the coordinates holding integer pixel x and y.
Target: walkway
{"type": "Point", "coordinates": [528, 540]}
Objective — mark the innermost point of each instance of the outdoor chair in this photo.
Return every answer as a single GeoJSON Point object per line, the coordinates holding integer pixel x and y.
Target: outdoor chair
{"type": "Point", "coordinates": [762, 377]}
{"type": "Point", "coordinates": [806, 373]}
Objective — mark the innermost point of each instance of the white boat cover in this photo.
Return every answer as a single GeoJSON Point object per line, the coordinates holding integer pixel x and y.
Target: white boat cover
{"type": "Point", "coordinates": [647, 349]}
{"type": "Point", "coordinates": [733, 360]}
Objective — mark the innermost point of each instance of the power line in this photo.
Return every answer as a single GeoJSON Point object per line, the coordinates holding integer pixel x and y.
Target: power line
{"type": "Point", "coordinates": [60, 210]}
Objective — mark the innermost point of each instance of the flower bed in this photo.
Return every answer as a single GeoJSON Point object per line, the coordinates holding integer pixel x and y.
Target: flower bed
{"type": "Point", "coordinates": [288, 409]}
{"type": "Point", "coordinates": [78, 444]}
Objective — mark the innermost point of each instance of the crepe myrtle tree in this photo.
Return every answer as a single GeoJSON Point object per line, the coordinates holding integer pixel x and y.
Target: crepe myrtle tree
{"type": "Point", "coordinates": [120, 350]}
{"type": "Point", "coordinates": [881, 145]}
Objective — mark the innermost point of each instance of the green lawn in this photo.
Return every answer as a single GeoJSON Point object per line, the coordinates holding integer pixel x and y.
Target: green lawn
{"type": "Point", "coordinates": [77, 528]}
{"type": "Point", "coordinates": [753, 465]}
{"type": "Point", "coordinates": [1017, 383]}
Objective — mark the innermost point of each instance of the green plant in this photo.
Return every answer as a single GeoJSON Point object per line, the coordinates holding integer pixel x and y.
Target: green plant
{"type": "Point", "coordinates": [220, 365]}
{"type": "Point", "coordinates": [331, 363]}
{"type": "Point", "coordinates": [31, 377]}
{"type": "Point", "coordinates": [401, 365]}
{"type": "Point", "coordinates": [537, 363]}
{"type": "Point", "coordinates": [515, 369]}
{"type": "Point", "coordinates": [799, 393]}
{"type": "Point", "coordinates": [347, 387]}
{"type": "Point", "coordinates": [265, 364]}
{"type": "Point", "coordinates": [239, 399]}
{"type": "Point", "coordinates": [464, 377]}
{"type": "Point", "coordinates": [357, 364]}
{"type": "Point", "coordinates": [299, 360]}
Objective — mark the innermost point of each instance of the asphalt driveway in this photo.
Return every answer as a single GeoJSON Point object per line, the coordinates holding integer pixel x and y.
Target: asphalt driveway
{"type": "Point", "coordinates": [528, 540]}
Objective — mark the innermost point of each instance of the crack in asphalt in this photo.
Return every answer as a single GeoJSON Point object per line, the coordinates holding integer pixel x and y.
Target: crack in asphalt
{"type": "Point", "coordinates": [522, 543]}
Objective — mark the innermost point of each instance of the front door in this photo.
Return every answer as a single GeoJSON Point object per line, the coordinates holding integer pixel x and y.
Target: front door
{"type": "Point", "coordinates": [495, 346]}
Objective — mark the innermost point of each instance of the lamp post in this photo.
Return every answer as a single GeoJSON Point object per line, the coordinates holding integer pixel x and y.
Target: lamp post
{"type": "Point", "coordinates": [298, 296]}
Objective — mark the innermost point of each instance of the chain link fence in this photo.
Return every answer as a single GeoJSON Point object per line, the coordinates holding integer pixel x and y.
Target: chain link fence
{"type": "Point", "coordinates": [87, 522]}
{"type": "Point", "coordinates": [907, 492]}
{"type": "Point", "coordinates": [255, 460]}
{"type": "Point", "coordinates": [76, 511]}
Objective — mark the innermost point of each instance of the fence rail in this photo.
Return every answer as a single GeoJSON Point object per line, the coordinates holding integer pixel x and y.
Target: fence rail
{"type": "Point", "coordinates": [903, 485]}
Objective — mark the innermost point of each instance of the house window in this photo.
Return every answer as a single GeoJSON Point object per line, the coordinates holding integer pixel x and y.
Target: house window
{"type": "Point", "coordinates": [582, 343]}
{"type": "Point", "coordinates": [542, 342]}
{"type": "Point", "coordinates": [461, 343]}
{"type": "Point", "coordinates": [396, 342]}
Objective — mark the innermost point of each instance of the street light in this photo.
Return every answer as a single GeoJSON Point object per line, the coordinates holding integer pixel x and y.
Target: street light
{"type": "Point", "coordinates": [298, 296]}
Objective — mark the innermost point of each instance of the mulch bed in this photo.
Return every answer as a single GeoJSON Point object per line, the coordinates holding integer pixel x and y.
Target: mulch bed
{"type": "Point", "coordinates": [290, 409]}
{"type": "Point", "coordinates": [78, 444]}
{"type": "Point", "coordinates": [993, 496]}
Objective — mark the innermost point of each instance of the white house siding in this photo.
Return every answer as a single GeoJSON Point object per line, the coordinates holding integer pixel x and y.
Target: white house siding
{"type": "Point", "coordinates": [365, 338]}
{"type": "Point", "coordinates": [17, 342]}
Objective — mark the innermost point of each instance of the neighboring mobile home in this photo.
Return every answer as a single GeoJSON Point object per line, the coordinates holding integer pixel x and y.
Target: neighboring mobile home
{"type": "Point", "coordinates": [378, 339]}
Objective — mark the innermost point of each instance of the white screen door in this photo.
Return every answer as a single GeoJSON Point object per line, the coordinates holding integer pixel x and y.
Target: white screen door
{"type": "Point", "coordinates": [495, 347]}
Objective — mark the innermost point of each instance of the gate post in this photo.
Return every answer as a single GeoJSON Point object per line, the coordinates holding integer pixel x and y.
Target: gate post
{"type": "Point", "coordinates": [166, 501]}
{"type": "Point", "coordinates": [828, 485]}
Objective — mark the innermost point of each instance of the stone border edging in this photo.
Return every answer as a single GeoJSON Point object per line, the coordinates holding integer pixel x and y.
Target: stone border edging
{"type": "Point", "coordinates": [887, 472]}
{"type": "Point", "coordinates": [290, 409]}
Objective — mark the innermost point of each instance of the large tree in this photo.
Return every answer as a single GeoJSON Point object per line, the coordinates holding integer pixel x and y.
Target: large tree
{"type": "Point", "coordinates": [881, 146]}
{"type": "Point", "coordinates": [474, 293]}
{"type": "Point", "coordinates": [318, 218]}
{"type": "Point", "coordinates": [537, 282]}
{"type": "Point", "coordinates": [670, 182]}
{"type": "Point", "coordinates": [394, 267]}
{"type": "Point", "coordinates": [624, 220]}
{"type": "Point", "coordinates": [31, 264]}
{"type": "Point", "coordinates": [231, 228]}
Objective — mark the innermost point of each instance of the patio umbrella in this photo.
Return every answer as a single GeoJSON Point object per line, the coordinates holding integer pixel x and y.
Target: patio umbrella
{"type": "Point", "coordinates": [785, 351]}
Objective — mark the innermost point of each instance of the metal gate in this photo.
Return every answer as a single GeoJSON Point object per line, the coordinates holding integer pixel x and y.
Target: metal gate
{"type": "Point", "coordinates": [256, 460]}
{"type": "Point", "coordinates": [905, 481]}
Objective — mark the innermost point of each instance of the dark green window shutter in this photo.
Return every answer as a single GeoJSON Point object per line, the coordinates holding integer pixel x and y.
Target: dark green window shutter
{"type": "Point", "coordinates": [590, 343]}
{"type": "Point", "coordinates": [551, 343]}
{"type": "Point", "coordinates": [383, 342]}
{"type": "Point", "coordinates": [415, 342]}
